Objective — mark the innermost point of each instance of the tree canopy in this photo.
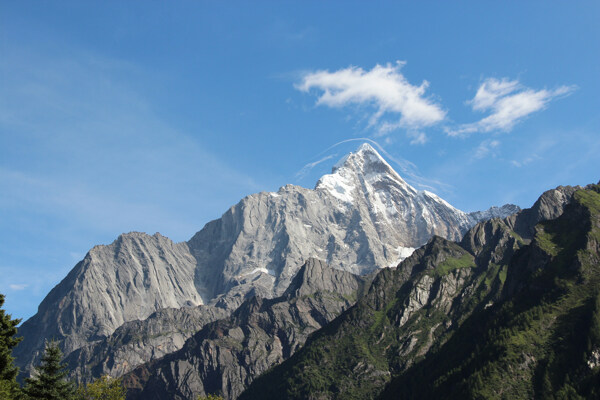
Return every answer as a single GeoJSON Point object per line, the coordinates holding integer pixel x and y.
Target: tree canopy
{"type": "Point", "coordinates": [103, 388]}
{"type": "Point", "coordinates": [49, 382]}
{"type": "Point", "coordinates": [8, 371]}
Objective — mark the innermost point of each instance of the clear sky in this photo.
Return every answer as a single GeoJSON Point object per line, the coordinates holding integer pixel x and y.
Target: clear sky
{"type": "Point", "coordinates": [158, 116]}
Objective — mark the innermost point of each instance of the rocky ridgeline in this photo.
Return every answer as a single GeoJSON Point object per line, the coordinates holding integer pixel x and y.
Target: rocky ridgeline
{"type": "Point", "coordinates": [438, 296]}
{"type": "Point", "coordinates": [358, 219]}
{"type": "Point", "coordinates": [127, 280]}
{"type": "Point", "coordinates": [225, 356]}
{"type": "Point", "coordinates": [440, 285]}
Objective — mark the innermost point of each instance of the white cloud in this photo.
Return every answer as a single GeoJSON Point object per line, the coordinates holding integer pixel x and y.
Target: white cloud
{"type": "Point", "coordinates": [485, 148]}
{"type": "Point", "coordinates": [417, 137]}
{"type": "Point", "coordinates": [524, 162]}
{"type": "Point", "coordinates": [18, 286]}
{"type": "Point", "coordinates": [384, 88]}
{"type": "Point", "coordinates": [509, 102]}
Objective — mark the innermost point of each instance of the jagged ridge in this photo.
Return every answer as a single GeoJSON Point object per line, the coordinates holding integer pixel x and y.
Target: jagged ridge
{"type": "Point", "coordinates": [225, 356]}
{"type": "Point", "coordinates": [410, 313]}
{"type": "Point", "coordinates": [255, 248]}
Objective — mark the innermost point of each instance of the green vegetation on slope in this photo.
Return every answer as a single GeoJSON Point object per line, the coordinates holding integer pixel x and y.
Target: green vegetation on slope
{"type": "Point", "coordinates": [519, 320]}
{"type": "Point", "coordinates": [451, 264]}
{"type": "Point", "coordinates": [543, 341]}
{"type": "Point", "coordinates": [354, 356]}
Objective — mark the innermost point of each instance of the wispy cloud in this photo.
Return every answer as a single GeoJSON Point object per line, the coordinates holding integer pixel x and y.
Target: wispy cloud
{"type": "Point", "coordinates": [417, 137]}
{"type": "Point", "coordinates": [383, 89]}
{"type": "Point", "coordinates": [484, 148]}
{"type": "Point", "coordinates": [405, 168]}
{"type": "Point", "coordinates": [82, 110]}
{"type": "Point", "coordinates": [525, 161]}
{"type": "Point", "coordinates": [306, 169]}
{"type": "Point", "coordinates": [509, 103]}
{"type": "Point", "coordinates": [18, 286]}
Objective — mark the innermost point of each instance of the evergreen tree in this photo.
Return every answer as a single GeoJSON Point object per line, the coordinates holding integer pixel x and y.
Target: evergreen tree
{"type": "Point", "coordinates": [210, 397]}
{"type": "Point", "coordinates": [49, 383]}
{"type": "Point", "coordinates": [9, 388]}
{"type": "Point", "coordinates": [103, 388]}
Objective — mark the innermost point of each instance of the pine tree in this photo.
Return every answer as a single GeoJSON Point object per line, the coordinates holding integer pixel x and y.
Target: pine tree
{"type": "Point", "coordinates": [9, 388]}
{"type": "Point", "coordinates": [210, 397]}
{"type": "Point", "coordinates": [49, 382]}
{"type": "Point", "coordinates": [103, 388]}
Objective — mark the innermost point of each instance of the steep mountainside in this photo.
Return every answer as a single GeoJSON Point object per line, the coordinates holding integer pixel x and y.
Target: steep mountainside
{"type": "Point", "coordinates": [137, 342]}
{"type": "Point", "coordinates": [361, 217]}
{"type": "Point", "coordinates": [226, 355]}
{"type": "Point", "coordinates": [413, 313]}
{"type": "Point", "coordinates": [543, 339]}
{"type": "Point", "coordinates": [128, 280]}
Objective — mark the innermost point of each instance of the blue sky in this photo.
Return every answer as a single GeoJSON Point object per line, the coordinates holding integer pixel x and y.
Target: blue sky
{"type": "Point", "coordinates": [158, 116]}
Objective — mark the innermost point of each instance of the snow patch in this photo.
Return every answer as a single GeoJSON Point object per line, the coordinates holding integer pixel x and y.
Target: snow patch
{"type": "Point", "coordinates": [402, 253]}
{"type": "Point", "coordinates": [384, 205]}
{"type": "Point", "coordinates": [342, 161]}
{"type": "Point", "coordinates": [438, 199]}
{"type": "Point", "coordinates": [262, 270]}
{"type": "Point", "coordinates": [338, 186]}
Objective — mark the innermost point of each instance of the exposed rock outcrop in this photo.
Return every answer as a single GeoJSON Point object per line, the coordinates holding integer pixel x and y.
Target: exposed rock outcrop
{"type": "Point", "coordinates": [225, 356]}
{"type": "Point", "coordinates": [137, 342]}
{"type": "Point", "coordinates": [412, 311]}
{"type": "Point", "coordinates": [127, 280]}
{"type": "Point", "coordinates": [361, 217]}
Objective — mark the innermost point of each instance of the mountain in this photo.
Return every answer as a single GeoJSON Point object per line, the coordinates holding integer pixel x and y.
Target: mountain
{"type": "Point", "coordinates": [494, 315]}
{"type": "Point", "coordinates": [139, 341]}
{"type": "Point", "coordinates": [494, 212]}
{"type": "Point", "coordinates": [226, 355]}
{"type": "Point", "coordinates": [127, 280]}
{"type": "Point", "coordinates": [542, 340]}
{"type": "Point", "coordinates": [361, 217]}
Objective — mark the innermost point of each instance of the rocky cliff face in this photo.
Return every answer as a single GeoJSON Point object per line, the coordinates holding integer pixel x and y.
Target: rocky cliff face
{"type": "Point", "coordinates": [140, 341]}
{"type": "Point", "coordinates": [361, 217]}
{"type": "Point", "coordinates": [225, 356]}
{"type": "Point", "coordinates": [127, 280]}
{"type": "Point", "coordinates": [495, 212]}
{"type": "Point", "coordinates": [412, 311]}
{"type": "Point", "coordinates": [541, 338]}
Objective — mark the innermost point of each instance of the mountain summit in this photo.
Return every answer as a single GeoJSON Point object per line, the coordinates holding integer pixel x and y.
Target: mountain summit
{"type": "Point", "coordinates": [361, 217]}
{"type": "Point", "coordinates": [365, 165]}
{"type": "Point", "coordinates": [366, 181]}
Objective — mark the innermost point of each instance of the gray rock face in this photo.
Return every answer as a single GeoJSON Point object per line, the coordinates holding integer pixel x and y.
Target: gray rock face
{"type": "Point", "coordinates": [495, 212]}
{"type": "Point", "coordinates": [225, 356]}
{"type": "Point", "coordinates": [137, 342]}
{"type": "Point", "coordinates": [127, 280]}
{"type": "Point", "coordinates": [550, 205]}
{"type": "Point", "coordinates": [409, 310]}
{"type": "Point", "coordinates": [361, 217]}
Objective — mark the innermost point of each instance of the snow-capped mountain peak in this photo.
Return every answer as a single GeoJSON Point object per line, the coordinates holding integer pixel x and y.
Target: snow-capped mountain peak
{"type": "Point", "coordinates": [364, 183]}
{"type": "Point", "coordinates": [358, 172]}
{"type": "Point", "coordinates": [361, 217]}
{"type": "Point", "coordinates": [366, 160]}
